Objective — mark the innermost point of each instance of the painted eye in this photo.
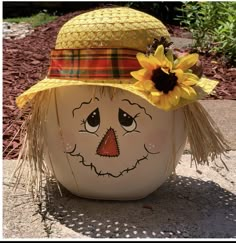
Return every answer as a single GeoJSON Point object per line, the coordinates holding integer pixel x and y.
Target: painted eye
{"type": "Point", "coordinates": [127, 121]}
{"type": "Point", "coordinates": [93, 121]}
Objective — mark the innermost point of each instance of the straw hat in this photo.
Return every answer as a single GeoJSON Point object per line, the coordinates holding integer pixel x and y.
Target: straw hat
{"type": "Point", "coordinates": [106, 47]}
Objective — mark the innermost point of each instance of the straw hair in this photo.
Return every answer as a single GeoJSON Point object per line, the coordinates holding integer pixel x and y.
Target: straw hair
{"type": "Point", "coordinates": [31, 154]}
{"type": "Point", "coordinates": [205, 139]}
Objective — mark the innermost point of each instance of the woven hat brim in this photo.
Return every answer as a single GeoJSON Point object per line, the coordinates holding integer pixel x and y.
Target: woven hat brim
{"type": "Point", "coordinates": [49, 83]}
{"type": "Point", "coordinates": [205, 87]}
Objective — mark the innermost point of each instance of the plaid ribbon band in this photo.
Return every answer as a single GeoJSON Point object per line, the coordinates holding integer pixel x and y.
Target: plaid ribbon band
{"type": "Point", "coordinates": [93, 63]}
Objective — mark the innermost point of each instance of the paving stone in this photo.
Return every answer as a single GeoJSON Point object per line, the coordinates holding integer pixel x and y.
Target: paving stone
{"type": "Point", "coordinates": [189, 205]}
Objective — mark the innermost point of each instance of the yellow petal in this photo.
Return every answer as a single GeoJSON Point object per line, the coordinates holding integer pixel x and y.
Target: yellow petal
{"type": "Point", "coordinates": [188, 92]}
{"type": "Point", "coordinates": [165, 70]}
{"type": "Point", "coordinates": [141, 75]}
{"type": "Point", "coordinates": [179, 74]}
{"type": "Point", "coordinates": [161, 59]}
{"type": "Point", "coordinates": [189, 79]}
{"type": "Point", "coordinates": [148, 85]}
{"type": "Point", "coordinates": [145, 61]}
{"type": "Point", "coordinates": [167, 64]}
{"type": "Point", "coordinates": [164, 103]}
{"type": "Point", "coordinates": [156, 93]}
{"type": "Point", "coordinates": [159, 53]}
{"type": "Point", "coordinates": [191, 76]}
{"type": "Point", "coordinates": [177, 90]}
{"type": "Point", "coordinates": [170, 56]}
{"type": "Point", "coordinates": [138, 86]}
{"type": "Point", "coordinates": [174, 96]}
{"type": "Point", "coordinates": [186, 61]}
{"type": "Point", "coordinates": [189, 82]}
{"type": "Point", "coordinates": [155, 61]}
{"type": "Point", "coordinates": [155, 99]}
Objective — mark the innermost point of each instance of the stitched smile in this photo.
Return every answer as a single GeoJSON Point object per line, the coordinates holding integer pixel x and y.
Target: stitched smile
{"type": "Point", "coordinates": [100, 173]}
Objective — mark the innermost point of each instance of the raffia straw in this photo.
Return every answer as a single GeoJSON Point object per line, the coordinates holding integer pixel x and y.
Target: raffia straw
{"type": "Point", "coordinates": [205, 139]}
{"type": "Point", "coordinates": [31, 154]}
{"type": "Point", "coordinates": [106, 90]}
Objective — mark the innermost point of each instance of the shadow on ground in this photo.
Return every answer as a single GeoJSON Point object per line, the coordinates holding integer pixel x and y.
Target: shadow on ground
{"type": "Point", "coordinates": [182, 207]}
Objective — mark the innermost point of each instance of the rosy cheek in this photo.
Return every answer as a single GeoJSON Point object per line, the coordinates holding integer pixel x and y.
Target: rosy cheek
{"type": "Point", "coordinates": [68, 140]}
{"type": "Point", "coordinates": [156, 142]}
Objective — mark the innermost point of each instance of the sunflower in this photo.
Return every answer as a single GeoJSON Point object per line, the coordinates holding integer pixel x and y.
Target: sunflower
{"type": "Point", "coordinates": [166, 80]}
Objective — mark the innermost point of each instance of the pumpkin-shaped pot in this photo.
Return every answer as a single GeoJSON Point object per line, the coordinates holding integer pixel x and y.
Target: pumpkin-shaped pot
{"type": "Point", "coordinates": [121, 148]}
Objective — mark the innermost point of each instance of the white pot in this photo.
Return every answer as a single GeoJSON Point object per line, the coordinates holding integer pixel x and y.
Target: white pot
{"type": "Point", "coordinates": [117, 149]}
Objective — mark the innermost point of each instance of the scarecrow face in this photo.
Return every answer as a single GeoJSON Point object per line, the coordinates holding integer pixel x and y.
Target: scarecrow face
{"type": "Point", "coordinates": [119, 148]}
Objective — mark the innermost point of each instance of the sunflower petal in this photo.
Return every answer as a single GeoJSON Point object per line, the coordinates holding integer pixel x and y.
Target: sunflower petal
{"type": "Point", "coordinates": [138, 86]}
{"type": "Point", "coordinates": [179, 74]}
{"type": "Point", "coordinates": [145, 61]}
{"type": "Point", "coordinates": [155, 99]}
{"type": "Point", "coordinates": [166, 103]}
{"type": "Point", "coordinates": [169, 56]}
{"type": "Point", "coordinates": [148, 85]}
{"type": "Point", "coordinates": [191, 75]}
{"type": "Point", "coordinates": [156, 93]}
{"type": "Point", "coordinates": [174, 96]}
{"type": "Point", "coordinates": [141, 75]}
{"type": "Point", "coordinates": [162, 59]}
{"type": "Point", "coordinates": [186, 61]}
{"type": "Point", "coordinates": [188, 92]}
{"type": "Point", "coordinates": [159, 53]}
{"type": "Point", "coordinates": [189, 82]}
{"type": "Point", "coordinates": [155, 61]}
{"type": "Point", "coordinates": [144, 85]}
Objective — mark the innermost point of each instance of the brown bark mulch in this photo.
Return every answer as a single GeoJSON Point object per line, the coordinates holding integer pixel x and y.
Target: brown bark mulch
{"type": "Point", "coordinates": [25, 61]}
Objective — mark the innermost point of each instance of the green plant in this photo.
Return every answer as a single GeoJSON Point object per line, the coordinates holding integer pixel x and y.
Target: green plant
{"type": "Point", "coordinates": [34, 20]}
{"type": "Point", "coordinates": [213, 26]}
{"type": "Point", "coordinates": [164, 11]}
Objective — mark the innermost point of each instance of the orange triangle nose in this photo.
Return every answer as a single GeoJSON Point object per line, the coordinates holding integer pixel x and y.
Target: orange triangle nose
{"type": "Point", "coordinates": [108, 145]}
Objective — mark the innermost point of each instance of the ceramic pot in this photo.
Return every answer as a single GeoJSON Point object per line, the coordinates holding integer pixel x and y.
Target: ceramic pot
{"type": "Point", "coordinates": [114, 148]}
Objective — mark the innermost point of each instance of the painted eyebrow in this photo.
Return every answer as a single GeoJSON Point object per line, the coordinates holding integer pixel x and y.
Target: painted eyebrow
{"type": "Point", "coordinates": [141, 107]}
{"type": "Point", "coordinates": [83, 103]}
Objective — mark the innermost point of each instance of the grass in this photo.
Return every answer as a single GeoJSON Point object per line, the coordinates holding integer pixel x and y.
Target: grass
{"type": "Point", "coordinates": [34, 20]}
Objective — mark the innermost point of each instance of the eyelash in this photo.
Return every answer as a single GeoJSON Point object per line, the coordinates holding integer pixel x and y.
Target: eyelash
{"type": "Point", "coordinates": [82, 122]}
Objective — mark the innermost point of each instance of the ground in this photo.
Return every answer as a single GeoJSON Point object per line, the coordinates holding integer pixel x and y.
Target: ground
{"type": "Point", "coordinates": [26, 61]}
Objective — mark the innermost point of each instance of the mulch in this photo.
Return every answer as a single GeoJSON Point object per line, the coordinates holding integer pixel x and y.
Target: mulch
{"type": "Point", "coordinates": [25, 61]}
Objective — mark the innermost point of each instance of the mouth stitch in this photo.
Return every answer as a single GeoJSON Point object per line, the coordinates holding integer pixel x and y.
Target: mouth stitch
{"type": "Point", "coordinates": [106, 173]}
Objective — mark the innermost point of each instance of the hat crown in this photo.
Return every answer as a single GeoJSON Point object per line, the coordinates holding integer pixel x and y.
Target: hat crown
{"type": "Point", "coordinates": [119, 27]}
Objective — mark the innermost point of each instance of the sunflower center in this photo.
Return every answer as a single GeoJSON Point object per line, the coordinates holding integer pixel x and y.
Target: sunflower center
{"type": "Point", "coordinates": [163, 81]}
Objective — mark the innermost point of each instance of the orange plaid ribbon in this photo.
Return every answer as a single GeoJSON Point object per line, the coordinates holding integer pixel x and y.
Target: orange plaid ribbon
{"type": "Point", "coordinates": [93, 63]}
